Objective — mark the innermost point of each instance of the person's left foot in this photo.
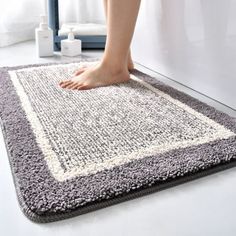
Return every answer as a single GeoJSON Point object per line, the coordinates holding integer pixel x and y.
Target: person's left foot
{"type": "Point", "coordinates": [96, 76]}
{"type": "Point", "coordinates": [82, 69]}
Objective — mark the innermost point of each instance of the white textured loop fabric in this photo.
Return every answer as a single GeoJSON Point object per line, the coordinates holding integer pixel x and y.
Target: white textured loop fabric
{"type": "Point", "coordinates": [106, 127]}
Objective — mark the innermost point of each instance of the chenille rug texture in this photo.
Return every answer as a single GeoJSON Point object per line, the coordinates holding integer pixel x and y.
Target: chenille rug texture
{"type": "Point", "coordinates": [72, 152]}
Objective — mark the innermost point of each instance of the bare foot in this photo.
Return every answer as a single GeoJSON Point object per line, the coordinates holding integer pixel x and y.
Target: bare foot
{"type": "Point", "coordinates": [82, 69]}
{"type": "Point", "coordinates": [130, 62]}
{"type": "Point", "coordinates": [96, 76]}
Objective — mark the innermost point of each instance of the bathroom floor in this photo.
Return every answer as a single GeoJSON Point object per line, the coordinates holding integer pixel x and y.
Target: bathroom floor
{"type": "Point", "coordinates": [202, 207]}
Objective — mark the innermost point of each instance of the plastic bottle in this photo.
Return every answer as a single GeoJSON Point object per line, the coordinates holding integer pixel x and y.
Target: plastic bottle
{"type": "Point", "coordinates": [71, 47]}
{"type": "Point", "coordinates": [44, 38]}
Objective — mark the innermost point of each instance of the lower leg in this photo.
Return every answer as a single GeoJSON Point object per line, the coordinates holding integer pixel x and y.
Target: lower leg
{"type": "Point", "coordinates": [130, 63]}
{"type": "Point", "coordinates": [121, 19]}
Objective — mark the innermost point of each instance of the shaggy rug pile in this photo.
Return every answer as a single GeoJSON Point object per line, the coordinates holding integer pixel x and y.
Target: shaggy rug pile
{"type": "Point", "coordinates": [72, 152]}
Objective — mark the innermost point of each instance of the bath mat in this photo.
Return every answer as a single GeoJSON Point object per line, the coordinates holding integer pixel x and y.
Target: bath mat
{"type": "Point", "coordinates": [72, 152]}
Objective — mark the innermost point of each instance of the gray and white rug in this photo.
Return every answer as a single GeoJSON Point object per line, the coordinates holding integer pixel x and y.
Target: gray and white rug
{"type": "Point", "coordinates": [72, 152]}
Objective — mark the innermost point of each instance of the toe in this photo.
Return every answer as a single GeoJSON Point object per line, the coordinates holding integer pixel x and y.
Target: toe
{"type": "Point", "coordinates": [75, 87]}
{"type": "Point", "coordinates": [63, 82]}
{"type": "Point", "coordinates": [83, 87]}
{"type": "Point", "coordinates": [79, 71]}
{"type": "Point", "coordinates": [66, 84]}
{"type": "Point", "coordinates": [72, 85]}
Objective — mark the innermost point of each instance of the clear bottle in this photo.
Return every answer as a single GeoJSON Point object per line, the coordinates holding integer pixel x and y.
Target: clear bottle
{"type": "Point", "coordinates": [44, 38]}
{"type": "Point", "coordinates": [71, 47]}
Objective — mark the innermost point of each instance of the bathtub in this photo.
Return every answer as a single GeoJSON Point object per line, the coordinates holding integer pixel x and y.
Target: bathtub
{"type": "Point", "coordinates": [192, 42]}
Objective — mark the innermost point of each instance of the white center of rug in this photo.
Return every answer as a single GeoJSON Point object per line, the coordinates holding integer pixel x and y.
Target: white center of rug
{"type": "Point", "coordinates": [82, 132]}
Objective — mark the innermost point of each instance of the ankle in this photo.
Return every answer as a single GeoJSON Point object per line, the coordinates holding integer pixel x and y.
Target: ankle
{"type": "Point", "coordinates": [113, 67]}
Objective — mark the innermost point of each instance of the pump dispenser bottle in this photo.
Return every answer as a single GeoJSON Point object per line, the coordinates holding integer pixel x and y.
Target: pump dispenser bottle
{"type": "Point", "coordinates": [71, 47]}
{"type": "Point", "coordinates": [44, 38]}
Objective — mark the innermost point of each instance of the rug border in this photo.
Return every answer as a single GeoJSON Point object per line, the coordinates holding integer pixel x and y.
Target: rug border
{"type": "Point", "coordinates": [106, 203]}
{"type": "Point", "coordinates": [138, 193]}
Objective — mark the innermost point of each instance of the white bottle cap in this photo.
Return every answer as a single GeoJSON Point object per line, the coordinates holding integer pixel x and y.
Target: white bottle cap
{"type": "Point", "coordinates": [43, 22]}
{"type": "Point", "coordinates": [71, 35]}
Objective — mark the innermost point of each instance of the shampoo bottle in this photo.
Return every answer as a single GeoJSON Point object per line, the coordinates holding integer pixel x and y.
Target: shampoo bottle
{"type": "Point", "coordinates": [44, 38]}
{"type": "Point", "coordinates": [71, 47]}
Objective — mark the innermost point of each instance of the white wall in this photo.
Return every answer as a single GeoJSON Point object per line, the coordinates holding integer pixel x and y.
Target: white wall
{"type": "Point", "coordinates": [192, 42]}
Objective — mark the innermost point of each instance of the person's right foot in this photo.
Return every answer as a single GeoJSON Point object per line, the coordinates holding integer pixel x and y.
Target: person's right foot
{"type": "Point", "coordinates": [97, 76]}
